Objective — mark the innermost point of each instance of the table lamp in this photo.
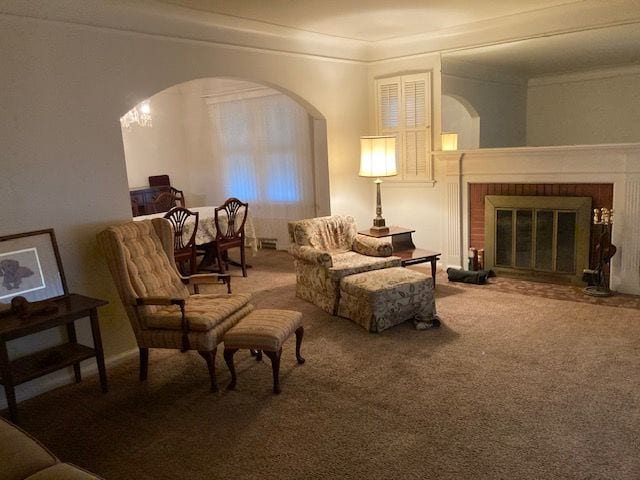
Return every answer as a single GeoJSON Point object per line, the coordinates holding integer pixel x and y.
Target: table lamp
{"type": "Point", "coordinates": [378, 159]}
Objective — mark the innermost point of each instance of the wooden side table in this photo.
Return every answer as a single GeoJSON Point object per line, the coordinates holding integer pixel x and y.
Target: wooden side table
{"type": "Point", "coordinates": [23, 369]}
{"type": "Point", "coordinates": [404, 248]}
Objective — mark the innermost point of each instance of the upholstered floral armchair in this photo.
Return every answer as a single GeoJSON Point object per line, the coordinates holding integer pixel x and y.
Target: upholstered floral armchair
{"type": "Point", "coordinates": [326, 249]}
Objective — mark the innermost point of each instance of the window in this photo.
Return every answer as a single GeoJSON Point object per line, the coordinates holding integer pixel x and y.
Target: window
{"type": "Point", "coordinates": [403, 108]}
{"type": "Point", "coordinates": [262, 154]}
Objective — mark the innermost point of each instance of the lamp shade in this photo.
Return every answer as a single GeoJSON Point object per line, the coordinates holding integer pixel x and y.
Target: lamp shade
{"type": "Point", "coordinates": [378, 156]}
{"type": "Point", "coordinates": [449, 141]}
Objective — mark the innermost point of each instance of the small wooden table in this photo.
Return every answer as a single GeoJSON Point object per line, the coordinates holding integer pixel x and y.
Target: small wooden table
{"type": "Point", "coordinates": [404, 248]}
{"type": "Point", "coordinates": [26, 368]}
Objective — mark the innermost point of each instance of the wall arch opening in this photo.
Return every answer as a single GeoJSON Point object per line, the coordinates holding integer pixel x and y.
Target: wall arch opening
{"type": "Point", "coordinates": [223, 137]}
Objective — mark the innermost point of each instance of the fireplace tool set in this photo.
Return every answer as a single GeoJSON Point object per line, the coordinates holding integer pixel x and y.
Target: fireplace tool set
{"type": "Point", "coordinates": [598, 285]}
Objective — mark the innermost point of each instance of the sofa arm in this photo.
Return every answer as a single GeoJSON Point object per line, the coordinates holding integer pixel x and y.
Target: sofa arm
{"type": "Point", "coordinates": [311, 255]}
{"type": "Point", "coordinates": [21, 457]}
{"type": "Point", "coordinates": [373, 247]}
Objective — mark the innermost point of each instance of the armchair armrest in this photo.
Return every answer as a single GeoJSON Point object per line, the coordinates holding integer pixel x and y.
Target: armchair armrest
{"type": "Point", "coordinates": [373, 247]}
{"type": "Point", "coordinates": [207, 278]}
{"type": "Point", "coordinates": [311, 255]}
{"type": "Point", "coordinates": [159, 301]}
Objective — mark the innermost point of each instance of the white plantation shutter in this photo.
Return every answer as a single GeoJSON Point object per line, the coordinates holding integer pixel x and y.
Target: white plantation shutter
{"type": "Point", "coordinates": [390, 106]}
{"type": "Point", "coordinates": [403, 107]}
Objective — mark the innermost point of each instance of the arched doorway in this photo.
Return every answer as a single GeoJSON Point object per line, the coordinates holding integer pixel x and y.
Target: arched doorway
{"type": "Point", "coordinates": [459, 116]}
{"type": "Point", "coordinates": [218, 138]}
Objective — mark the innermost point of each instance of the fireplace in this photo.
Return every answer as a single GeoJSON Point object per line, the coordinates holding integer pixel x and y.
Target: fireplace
{"type": "Point", "coordinates": [555, 266]}
{"type": "Point", "coordinates": [539, 237]}
{"type": "Point", "coordinates": [609, 174]}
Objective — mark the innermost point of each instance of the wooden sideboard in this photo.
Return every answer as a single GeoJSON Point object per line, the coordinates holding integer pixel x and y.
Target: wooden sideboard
{"type": "Point", "coordinates": [142, 199]}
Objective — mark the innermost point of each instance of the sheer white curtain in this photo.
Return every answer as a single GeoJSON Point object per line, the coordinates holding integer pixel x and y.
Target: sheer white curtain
{"type": "Point", "coordinates": [262, 152]}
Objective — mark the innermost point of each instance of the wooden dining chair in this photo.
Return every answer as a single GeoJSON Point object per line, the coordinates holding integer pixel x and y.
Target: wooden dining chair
{"type": "Point", "coordinates": [230, 232]}
{"type": "Point", "coordinates": [178, 197]}
{"type": "Point", "coordinates": [184, 250]}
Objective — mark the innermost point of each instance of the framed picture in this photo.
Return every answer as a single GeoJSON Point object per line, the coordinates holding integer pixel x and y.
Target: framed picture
{"type": "Point", "coordinates": [30, 266]}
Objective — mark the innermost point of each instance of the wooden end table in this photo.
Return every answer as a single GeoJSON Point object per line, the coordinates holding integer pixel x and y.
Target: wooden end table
{"type": "Point", "coordinates": [404, 248]}
{"type": "Point", "coordinates": [23, 369]}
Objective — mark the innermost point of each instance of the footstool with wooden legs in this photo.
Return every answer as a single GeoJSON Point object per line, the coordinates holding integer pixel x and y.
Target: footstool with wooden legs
{"type": "Point", "coordinates": [264, 330]}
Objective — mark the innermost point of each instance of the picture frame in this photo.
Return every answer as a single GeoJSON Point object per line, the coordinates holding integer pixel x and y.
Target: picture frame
{"type": "Point", "coordinates": [30, 267]}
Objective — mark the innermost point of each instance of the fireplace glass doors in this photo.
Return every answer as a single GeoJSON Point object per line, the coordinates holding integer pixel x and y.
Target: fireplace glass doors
{"type": "Point", "coordinates": [539, 237]}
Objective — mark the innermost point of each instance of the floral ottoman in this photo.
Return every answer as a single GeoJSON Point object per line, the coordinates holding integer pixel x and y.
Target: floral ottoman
{"type": "Point", "coordinates": [380, 299]}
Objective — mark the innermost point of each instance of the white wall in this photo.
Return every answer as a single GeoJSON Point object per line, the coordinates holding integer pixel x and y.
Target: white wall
{"type": "Point", "coordinates": [459, 117]}
{"type": "Point", "coordinates": [160, 148]}
{"type": "Point", "coordinates": [597, 107]}
{"type": "Point", "coordinates": [500, 99]}
{"type": "Point", "coordinates": [62, 91]}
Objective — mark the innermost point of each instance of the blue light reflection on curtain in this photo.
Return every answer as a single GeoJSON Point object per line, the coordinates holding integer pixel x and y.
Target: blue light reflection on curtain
{"type": "Point", "coordinates": [241, 178]}
{"type": "Point", "coordinates": [282, 185]}
{"type": "Point", "coordinates": [262, 151]}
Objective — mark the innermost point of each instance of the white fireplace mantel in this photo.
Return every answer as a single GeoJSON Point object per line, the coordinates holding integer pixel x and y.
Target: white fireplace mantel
{"type": "Point", "coordinates": [616, 164]}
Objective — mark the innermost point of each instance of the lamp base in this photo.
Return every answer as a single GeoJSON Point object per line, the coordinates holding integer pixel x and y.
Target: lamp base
{"type": "Point", "coordinates": [379, 226]}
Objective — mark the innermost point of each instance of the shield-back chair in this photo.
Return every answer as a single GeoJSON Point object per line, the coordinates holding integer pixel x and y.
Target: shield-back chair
{"type": "Point", "coordinates": [229, 219]}
{"type": "Point", "coordinates": [185, 227]}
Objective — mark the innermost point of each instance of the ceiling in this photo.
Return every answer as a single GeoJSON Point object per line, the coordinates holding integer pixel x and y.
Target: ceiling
{"type": "Point", "coordinates": [527, 37]}
{"type": "Point", "coordinates": [367, 20]}
{"type": "Point", "coordinates": [387, 22]}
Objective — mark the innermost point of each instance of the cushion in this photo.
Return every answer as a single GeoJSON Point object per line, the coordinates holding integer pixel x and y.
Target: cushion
{"type": "Point", "coordinates": [374, 283]}
{"type": "Point", "coordinates": [264, 329]}
{"type": "Point", "coordinates": [62, 471]}
{"type": "Point", "coordinates": [203, 312]}
{"type": "Point", "coordinates": [349, 263]}
{"type": "Point", "coordinates": [21, 455]}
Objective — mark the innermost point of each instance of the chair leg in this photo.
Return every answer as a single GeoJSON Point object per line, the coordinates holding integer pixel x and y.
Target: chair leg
{"type": "Point", "coordinates": [228, 358]}
{"type": "Point", "coordinates": [210, 358]}
{"type": "Point", "coordinates": [193, 266]}
{"type": "Point", "coordinates": [222, 265]}
{"type": "Point", "coordinates": [299, 335]}
{"type": "Point", "coordinates": [275, 367]}
{"type": "Point", "coordinates": [144, 363]}
{"type": "Point", "coordinates": [242, 261]}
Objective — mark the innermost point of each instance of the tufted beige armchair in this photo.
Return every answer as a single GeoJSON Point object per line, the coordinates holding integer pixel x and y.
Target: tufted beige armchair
{"type": "Point", "coordinates": [162, 311]}
{"type": "Point", "coordinates": [326, 249]}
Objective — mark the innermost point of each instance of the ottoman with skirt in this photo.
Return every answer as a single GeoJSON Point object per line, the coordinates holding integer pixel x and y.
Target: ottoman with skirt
{"type": "Point", "coordinates": [381, 299]}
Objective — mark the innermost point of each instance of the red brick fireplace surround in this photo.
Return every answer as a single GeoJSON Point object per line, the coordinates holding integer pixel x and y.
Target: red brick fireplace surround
{"type": "Point", "coordinates": [601, 196]}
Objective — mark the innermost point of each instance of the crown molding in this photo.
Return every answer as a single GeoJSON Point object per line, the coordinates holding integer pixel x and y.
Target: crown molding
{"type": "Point", "coordinates": [601, 73]}
{"type": "Point", "coordinates": [166, 20]}
{"type": "Point", "coordinates": [577, 16]}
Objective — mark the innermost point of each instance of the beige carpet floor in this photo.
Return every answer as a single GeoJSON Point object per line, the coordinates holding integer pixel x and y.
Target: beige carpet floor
{"type": "Point", "coordinates": [512, 386]}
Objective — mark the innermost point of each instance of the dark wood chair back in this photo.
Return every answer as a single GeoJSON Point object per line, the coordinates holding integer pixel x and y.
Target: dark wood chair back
{"type": "Point", "coordinates": [230, 234]}
{"type": "Point", "coordinates": [159, 181]}
{"type": "Point", "coordinates": [178, 196]}
{"type": "Point", "coordinates": [164, 201]}
{"type": "Point", "coordinates": [184, 248]}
